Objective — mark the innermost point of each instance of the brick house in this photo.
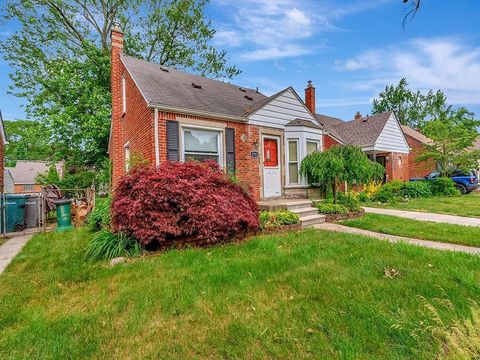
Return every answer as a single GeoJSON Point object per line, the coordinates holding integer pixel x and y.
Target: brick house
{"type": "Point", "coordinates": [417, 141]}
{"type": "Point", "coordinates": [3, 142]}
{"type": "Point", "coordinates": [165, 114]}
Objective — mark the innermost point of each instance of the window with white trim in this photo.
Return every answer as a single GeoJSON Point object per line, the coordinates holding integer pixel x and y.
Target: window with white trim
{"type": "Point", "coordinates": [127, 155]}
{"type": "Point", "coordinates": [312, 146]}
{"type": "Point", "coordinates": [124, 94]}
{"type": "Point", "coordinates": [202, 145]}
{"type": "Point", "coordinates": [293, 177]}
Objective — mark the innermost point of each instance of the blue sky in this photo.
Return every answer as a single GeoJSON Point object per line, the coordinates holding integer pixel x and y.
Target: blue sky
{"type": "Point", "coordinates": [349, 49]}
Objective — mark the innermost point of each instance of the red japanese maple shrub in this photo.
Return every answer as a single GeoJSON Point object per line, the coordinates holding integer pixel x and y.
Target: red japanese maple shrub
{"type": "Point", "coordinates": [188, 202]}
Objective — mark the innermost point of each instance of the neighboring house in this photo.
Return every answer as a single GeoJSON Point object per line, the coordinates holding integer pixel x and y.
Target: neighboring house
{"type": "Point", "coordinates": [380, 136]}
{"type": "Point", "coordinates": [22, 177]}
{"type": "Point", "coordinates": [3, 142]}
{"type": "Point", "coordinates": [165, 114]}
{"type": "Point", "coordinates": [417, 141]}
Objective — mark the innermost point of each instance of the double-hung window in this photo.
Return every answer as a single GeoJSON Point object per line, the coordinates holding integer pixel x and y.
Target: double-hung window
{"type": "Point", "coordinates": [202, 145]}
{"type": "Point", "coordinates": [312, 146]}
{"type": "Point", "coordinates": [293, 177]}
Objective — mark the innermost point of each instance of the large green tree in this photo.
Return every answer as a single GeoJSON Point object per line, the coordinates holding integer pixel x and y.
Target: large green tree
{"type": "Point", "coordinates": [60, 60]}
{"type": "Point", "coordinates": [453, 134]}
{"type": "Point", "coordinates": [27, 140]}
{"type": "Point", "coordinates": [412, 108]}
{"type": "Point", "coordinates": [340, 164]}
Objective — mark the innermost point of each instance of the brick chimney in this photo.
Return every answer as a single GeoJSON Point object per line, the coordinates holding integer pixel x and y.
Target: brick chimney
{"type": "Point", "coordinates": [310, 97]}
{"type": "Point", "coordinates": [116, 151]}
{"type": "Point", "coordinates": [358, 115]}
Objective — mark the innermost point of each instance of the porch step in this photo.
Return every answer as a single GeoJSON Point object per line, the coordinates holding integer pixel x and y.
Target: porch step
{"type": "Point", "coordinates": [306, 211]}
{"type": "Point", "coordinates": [311, 220]}
{"type": "Point", "coordinates": [298, 204]}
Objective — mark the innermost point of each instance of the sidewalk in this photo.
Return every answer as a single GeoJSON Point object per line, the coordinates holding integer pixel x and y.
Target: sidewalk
{"type": "Point", "coordinates": [395, 239]}
{"type": "Point", "coordinates": [425, 216]}
{"type": "Point", "coordinates": [11, 248]}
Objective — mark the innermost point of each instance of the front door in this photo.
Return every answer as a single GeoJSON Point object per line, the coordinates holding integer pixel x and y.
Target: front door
{"type": "Point", "coordinates": [272, 184]}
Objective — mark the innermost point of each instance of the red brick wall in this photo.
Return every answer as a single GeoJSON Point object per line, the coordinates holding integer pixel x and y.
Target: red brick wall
{"type": "Point", "coordinates": [328, 142]}
{"type": "Point", "coordinates": [418, 169]}
{"type": "Point", "coordinates": [247, 168]}
{"type": "Point", "coordinates": [2, 167]}
{"type": "Point", "coordinates": [396, 166]}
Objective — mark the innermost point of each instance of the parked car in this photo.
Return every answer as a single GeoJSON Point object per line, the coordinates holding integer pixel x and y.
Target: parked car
{"type": "Point", "coordinates": [464, 181]}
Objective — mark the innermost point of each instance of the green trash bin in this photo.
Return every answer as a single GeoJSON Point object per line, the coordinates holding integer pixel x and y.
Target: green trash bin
{"type": "Point", "coordinates": [64, 214]}
{"type": "Point", "coordinates": [13, 208]}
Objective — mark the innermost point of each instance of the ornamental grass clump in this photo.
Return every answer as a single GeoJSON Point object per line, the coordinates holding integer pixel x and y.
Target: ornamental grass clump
{"type": "Point", "coordinates": [192, 202]}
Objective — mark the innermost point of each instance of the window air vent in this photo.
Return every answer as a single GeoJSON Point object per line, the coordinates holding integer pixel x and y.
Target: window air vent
{"type": "Point", "coordinates": [163, 68]}
{"type": "Point", "coordinates": [242, 89]}
{"type": "Point", "coordinates": [248, 97]}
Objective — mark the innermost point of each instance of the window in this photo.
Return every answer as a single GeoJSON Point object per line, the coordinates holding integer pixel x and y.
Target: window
{"type": "Point", "coordinates": [127, 156]}
{"type": "Point", "coordinates": [202, 145]}
{"type": "Point", "coordinates": [28, 187]}
{"type": "Point", "coordinates": [312, 146]}
{"type": "Point", "coordinates": [293, 161]}
{"type": "Point", "coordinates": [124, 94]}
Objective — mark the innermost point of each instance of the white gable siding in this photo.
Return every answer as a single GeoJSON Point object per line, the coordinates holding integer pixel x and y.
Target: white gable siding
{"type": "Point", "coordinates": [391, 138]}
{"type": "Point", "coordinates": [280, 111]}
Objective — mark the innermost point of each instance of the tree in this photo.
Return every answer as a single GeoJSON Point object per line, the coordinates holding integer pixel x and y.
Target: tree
{"type": "Point", "coordinates": [453, 134]}
{"type": "Point", "coordinates": [413, 109]}
{"type": "Point", "coordinates": [340, 164]}
{"type": "Point", "coordinates": [27, 140]}
{"type": "Point", "coordinates": [414, 8]}
{"type": "Point", "coordinates": [60, 60]}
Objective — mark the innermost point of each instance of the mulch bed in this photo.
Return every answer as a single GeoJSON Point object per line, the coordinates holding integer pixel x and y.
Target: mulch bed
{"type": "Point", "coordinates": [338, 217]}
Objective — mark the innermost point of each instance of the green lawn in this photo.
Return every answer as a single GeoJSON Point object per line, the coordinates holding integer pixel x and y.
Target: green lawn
{"type": "Point", "coordinates": [394, 225]}
{"type": "Point", "coordinates": [308, 294]}
{"type": "Point", "coordinates": [464, 205]}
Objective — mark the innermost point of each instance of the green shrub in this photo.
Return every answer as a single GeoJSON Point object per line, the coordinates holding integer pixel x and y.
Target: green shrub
{"type": "Point", "coordinates": [273, 219]}
{"type": "Point", "coordinates": [363, 196]}
{"type": "Point", "coordinates": [416, 189]}
{"type": "Point", "coordinates": [350, 200]}
{"type": "Point", "coordinates": [99, 218]}
{"type": "Point", "coordinates": [443, 186]}
{"type": "Point", "coordinates": [107, 245]}
{"type": "Point", "coordinates": [328, 208]}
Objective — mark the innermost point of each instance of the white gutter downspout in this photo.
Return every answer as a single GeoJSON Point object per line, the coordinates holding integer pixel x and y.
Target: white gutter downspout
{"type": "Point", "coordinates": [155, 129]}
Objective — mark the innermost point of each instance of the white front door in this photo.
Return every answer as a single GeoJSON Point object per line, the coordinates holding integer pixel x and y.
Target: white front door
{"type": "Point", "coordinates": [272, 183]}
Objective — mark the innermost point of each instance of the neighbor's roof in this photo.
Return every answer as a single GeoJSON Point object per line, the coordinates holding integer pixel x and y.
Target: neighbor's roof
{"type": "Point", "coordinates": [415, 134]}
{"type": "Point", "coordinates": [171, 88]}
{"type": "Point", "coordinates": [329, 124]}
{"type": "Point", "coordinates": [364, 131]}
{"type": "Point", "coordinates": [25, 172]}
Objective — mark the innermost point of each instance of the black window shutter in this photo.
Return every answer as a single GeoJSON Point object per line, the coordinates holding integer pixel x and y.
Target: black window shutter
{"type": "Point", "coordinates": [173, 153]}
{"type": "Point", "coordinates": [230, 144]}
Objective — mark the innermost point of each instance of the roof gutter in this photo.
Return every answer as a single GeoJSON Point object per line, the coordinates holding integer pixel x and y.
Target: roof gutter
{"type": "Point", "coordinates": [172, 109]}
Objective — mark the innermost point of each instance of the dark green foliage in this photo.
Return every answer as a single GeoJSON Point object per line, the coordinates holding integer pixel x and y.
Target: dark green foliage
{"type": "Point", "coordinates": [350, 200]}
{"type": "Point", "coordinates": [363, 196]}
{"type": "Point", "coordinates": [340, 164]}
{"type": "Point", "coordinates": [330, 208]}
{"type": "Point", "coordinates": [443, 186]}
{"type": "Point", "coordinates": [276, 218]}
{"type": "Point", "coordinates": [100, 217]}
{"type": "Point", "coordinates": [389, 192]}
{"type": "Point", "coordinates": [107, 245]}
{"type": "Point", "coordinates": [415, 189]}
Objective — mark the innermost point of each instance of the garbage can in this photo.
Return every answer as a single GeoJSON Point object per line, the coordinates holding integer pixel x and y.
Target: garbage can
{"type": "Point", "coordinates": [14, 212]}
{"type": "Point", "coordinates": [64, 214]}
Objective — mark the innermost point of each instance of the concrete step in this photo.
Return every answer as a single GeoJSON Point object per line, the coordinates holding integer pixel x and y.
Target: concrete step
{"type": "Point", "coordinates": [306, 211]}
{"type": "Point", "coordinates": [298, 204]}
{"type": "Point", "coordinates": [312, 220]}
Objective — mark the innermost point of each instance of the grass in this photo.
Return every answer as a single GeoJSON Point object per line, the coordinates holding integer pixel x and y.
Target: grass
{"type": "Point", "coordinates": [427, 230]}
{"type": "Point", "coordinates": [464, 205]}
{"type": "Point", "coordinates": [308, 294]}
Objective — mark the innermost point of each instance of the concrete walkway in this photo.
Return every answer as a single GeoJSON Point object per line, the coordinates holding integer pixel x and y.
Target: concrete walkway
{"type": "Point", "coordinates": [395, 239]}
{"type": "Point", "coordinates": [11, 248]}
{"type": "Point", "coordinates": [426, 216]}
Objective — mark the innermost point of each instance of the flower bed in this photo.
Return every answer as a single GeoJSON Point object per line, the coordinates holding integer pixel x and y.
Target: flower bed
{"type": "Point", "coordinates": [350, 215]}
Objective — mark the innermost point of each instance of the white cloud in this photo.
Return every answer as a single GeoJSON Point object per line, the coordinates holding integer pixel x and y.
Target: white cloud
{"type": "Point", "coordinates": [447, 64]}
{"type": "Point", "coordinates": [274, 29]}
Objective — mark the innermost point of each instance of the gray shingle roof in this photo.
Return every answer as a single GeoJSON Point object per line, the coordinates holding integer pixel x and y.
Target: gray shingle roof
{"type": "Point", "coordinates": [415, 134]}
{"type": "Point", "coordinates": [364, 131]}
{"type": "Point", "coordinates": [329, 124]}
{"type": "Point", "coordinates": [25, 172]}
{"type": "Point", "coordinates": [301, 122]}
{"type": "Point", "coordinates": [173, 88]}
